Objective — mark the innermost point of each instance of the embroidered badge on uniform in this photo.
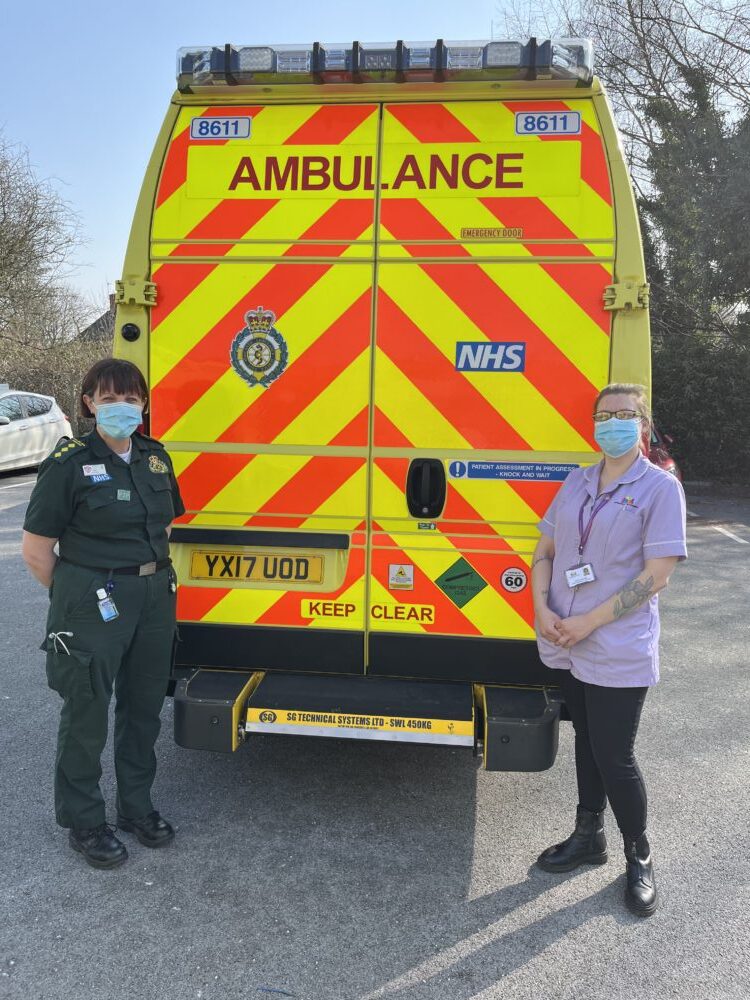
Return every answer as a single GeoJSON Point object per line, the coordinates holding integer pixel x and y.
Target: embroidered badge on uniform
{"type": "Point", "coordinates": [629, 502]}
{"type": "Point", "coordinates": [157, 464]}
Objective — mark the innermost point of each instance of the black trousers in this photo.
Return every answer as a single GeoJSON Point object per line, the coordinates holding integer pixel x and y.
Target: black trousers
{"type": "Point", "coordinates": [605, 721]}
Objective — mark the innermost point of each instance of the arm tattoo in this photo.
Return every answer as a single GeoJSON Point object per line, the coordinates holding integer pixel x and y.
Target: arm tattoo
{"type": "Point", "coordinates": [540, 559]}
{"type": "Point", "coordinates": [631, 595]}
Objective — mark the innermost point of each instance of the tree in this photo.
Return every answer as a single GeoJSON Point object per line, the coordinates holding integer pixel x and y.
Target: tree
{"type": "Point", "coordinates": [684, 209]}
{"type": "Point", "coordinates": [641, 50]}
{"type": "Point", "coordinates": [38, 233]}
{"type": "Point", "coordinates": [41, 315]}
{"type": "Point", "coordinates": [676, 73]}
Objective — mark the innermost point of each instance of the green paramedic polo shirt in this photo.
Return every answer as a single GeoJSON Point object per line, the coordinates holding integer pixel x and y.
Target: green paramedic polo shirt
{"type": "Point", "coordinates": [106, 512]}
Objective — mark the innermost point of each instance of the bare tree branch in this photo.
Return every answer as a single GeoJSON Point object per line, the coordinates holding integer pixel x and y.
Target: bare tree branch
{"type": "Point", "coordinates": [38, 234]}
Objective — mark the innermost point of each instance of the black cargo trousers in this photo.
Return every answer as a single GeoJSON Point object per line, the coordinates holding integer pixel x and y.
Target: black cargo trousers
{"type": "Point", "coordinates": [86, 659]}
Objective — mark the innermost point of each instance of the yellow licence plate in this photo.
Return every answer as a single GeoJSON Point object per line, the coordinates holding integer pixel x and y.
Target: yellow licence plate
{"type": "Point", "coordinates": [255, 567]}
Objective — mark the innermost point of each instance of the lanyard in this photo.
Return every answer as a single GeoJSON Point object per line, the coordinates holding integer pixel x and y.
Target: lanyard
{"type": "Point", "coordinates": [585, 532]}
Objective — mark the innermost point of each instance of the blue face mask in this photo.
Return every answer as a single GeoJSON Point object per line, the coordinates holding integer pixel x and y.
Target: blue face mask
{"type": "Point", "coordinates": [616, 437]}
{"type": "Point", "coordinates": [119, 420]}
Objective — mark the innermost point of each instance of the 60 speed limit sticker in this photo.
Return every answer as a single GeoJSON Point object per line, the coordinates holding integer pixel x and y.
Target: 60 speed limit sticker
{"type": "Point", "coordinates": [514, 579]}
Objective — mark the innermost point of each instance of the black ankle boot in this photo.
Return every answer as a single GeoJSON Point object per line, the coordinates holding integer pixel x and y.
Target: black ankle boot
{"type": "Point", "coordinates": [640, 891]}
{"type": "Point", "coordinates": [587, 845]}
{"type": "Point", "coordinates": [99, 846]}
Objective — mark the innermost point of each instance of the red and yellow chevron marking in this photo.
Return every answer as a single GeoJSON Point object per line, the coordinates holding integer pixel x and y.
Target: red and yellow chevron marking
{"type": "Point", "coordinates": [270, 178]}
{"type": "Point", "coordinates": [220, 249]}
{"type": "Point", "coordinates": [323, 313]}
{"type": "Point", "coordinates": [553, 306]}
{"type": "Point", "coordinates": [491, 612]}
{"type": "Point", "coordinates": [482, 236]}
{"type": "Point", "coordinates": [424, 311]}
{"type": "Point", "coordinates": [277, 488]}
{"type": "Point", "coordinates": [455, 169]}
{"type": "Point", "coordinates": [468, 529]}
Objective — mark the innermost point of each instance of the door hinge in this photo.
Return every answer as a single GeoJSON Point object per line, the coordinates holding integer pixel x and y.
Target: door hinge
{"type": "Point", "coordinates": [628, 294]}
{"type": "Point", "coordinates": [135, 292]}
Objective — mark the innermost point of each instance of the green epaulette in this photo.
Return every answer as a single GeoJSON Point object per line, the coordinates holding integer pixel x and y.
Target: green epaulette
{"type": "Point", "coordinates": [152, 441]}
{"type": "Point", "coordinates": [65, 448]}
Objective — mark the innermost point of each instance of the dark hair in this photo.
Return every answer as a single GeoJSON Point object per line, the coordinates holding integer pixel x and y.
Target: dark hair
{"type": "Point", "coordinates": [627, 389]}
{"type": "Point", "coordinates": [113, 374]}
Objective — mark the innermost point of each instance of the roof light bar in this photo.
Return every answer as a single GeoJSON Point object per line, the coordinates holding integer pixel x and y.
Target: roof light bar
{"type": "Point", "coordinates": [563, 59]}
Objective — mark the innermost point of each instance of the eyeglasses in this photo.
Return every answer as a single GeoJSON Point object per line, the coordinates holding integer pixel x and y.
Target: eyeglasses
{"type": "Point", "coordinates": [601, 415]}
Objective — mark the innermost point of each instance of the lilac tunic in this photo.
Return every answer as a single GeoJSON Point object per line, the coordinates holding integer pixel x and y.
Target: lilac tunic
{"type": "Point", "coordinates": [645, 519]}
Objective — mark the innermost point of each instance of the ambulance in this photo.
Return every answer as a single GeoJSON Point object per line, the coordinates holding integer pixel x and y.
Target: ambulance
{"type": "Point", "coordinates": [374, 289]}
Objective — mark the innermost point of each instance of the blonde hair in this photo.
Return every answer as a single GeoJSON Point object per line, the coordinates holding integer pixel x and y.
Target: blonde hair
{"type": "Point", "coordinates": [628, 389]}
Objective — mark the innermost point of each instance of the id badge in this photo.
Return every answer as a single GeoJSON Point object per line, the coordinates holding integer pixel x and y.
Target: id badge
{"type": "Point", "coordinates": [107, 609]}
{"type": "Point", "coordinates": [580, 574]}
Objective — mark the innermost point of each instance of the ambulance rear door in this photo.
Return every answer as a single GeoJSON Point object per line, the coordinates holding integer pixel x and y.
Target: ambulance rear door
{"type": "Point", "coordinates": [260, 352]}
{"type": "Point", "coordinates": [495, 244]}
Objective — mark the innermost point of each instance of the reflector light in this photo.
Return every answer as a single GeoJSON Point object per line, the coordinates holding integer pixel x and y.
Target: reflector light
{"type": "Point", "coordinates": [463, 55]}
{"type": "Point", "coordinates": [563, 59]}
{"type": "Point", "coordinates": [575, 55]}
{"type": "Point", "coordinates": [335, 58]}
{"type": "Point", "coordinates": [378, 59]}
{"type": "Point", "coordinates": [293, 60]}
{"type": "Point", "coordinates": [420, 56]}
{"type": "Point", "coordinates": [253, 60]}
{"type": "Point", "coordinates": [504, 54]}
{"type": "Point", "coordinates": [566, 59]}
{"type": "Point", "coordinates": [195, 64]}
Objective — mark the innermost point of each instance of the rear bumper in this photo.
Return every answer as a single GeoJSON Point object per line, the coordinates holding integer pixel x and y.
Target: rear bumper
{"type": "Point", "coordinates": [457, 658]}
{"type": "Point", "coordinates": [390, 654]}
{"type": "Point", "coordinates": [517, 726]}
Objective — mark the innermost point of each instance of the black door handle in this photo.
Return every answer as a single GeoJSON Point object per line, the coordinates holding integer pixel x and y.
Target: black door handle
{"type": "Point", "coordinates": [425, 487]}
{"type": "Point", "coordinates": [424, 494]}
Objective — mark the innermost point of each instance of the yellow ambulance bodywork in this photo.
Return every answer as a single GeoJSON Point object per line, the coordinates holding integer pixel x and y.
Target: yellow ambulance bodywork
{"type": "Point", "coordinates": [383, 295]}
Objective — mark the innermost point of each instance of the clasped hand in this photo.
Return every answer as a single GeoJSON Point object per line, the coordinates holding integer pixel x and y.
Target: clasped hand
{"type": "Point", "coordinates": [563, 632]}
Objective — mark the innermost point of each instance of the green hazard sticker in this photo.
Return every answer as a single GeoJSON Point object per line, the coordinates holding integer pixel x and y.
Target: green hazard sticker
{"type": "Point", "coordinates": [460, 582]}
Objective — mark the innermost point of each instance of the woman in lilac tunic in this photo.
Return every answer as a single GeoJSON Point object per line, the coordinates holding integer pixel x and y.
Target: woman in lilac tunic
{"type": "Point", "coordinates": [610, 540]}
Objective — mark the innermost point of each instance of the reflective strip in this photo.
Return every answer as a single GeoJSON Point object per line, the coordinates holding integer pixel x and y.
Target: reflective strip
{"type": "Point", "coordinates": [336, 722]}
{"type": "Point", "coordinates": [361, 734]}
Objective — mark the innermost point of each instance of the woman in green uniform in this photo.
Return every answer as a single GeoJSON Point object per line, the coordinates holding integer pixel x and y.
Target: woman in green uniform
{"type": "Point", "coordinates": [109, 500]}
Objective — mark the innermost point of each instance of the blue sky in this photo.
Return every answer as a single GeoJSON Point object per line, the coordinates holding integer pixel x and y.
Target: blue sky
{"type": "Point", "coordinates": [93, 80]}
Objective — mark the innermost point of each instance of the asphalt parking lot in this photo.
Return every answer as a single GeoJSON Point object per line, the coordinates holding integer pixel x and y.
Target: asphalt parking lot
{"type": "Point", "coordinates": [345, 870]}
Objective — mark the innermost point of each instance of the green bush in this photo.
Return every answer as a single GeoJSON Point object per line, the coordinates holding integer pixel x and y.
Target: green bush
{"type": "Point", "coordinates": [700, 394]}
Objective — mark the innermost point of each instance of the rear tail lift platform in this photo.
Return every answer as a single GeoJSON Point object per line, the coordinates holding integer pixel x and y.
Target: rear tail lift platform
{"type": "Point", "coordinates": [363, 708]}
{"type": "Point", "coordinates": [218, 709]}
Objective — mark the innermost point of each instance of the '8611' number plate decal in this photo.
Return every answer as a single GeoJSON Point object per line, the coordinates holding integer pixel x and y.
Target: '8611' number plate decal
{"type": "Point", "coordinates": [220, 129]}
{"type": "Point", "coordinates": [548, 123]}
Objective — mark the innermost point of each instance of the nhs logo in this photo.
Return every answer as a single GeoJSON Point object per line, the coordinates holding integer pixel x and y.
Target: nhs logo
{"type": "Point", "coordinates": [490, 356]}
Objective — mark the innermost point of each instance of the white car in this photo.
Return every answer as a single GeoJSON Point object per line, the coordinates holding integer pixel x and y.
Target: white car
{"type": "Point", "coordinates": [30, 427]}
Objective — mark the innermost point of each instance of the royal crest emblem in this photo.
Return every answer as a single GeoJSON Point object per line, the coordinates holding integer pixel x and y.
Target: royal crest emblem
{"type": "Point", "coordinates": [259, 353]}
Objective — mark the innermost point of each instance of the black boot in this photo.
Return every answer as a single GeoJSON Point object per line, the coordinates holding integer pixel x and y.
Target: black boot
{"type": "Point", "coordinates": [99, 846]}
{"type": "Point", "coordinates": [151, 830]}
{"type": "Point", "coordinates": [587, 845]}
{"type": "Point", "coordinates": [640, 891]}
